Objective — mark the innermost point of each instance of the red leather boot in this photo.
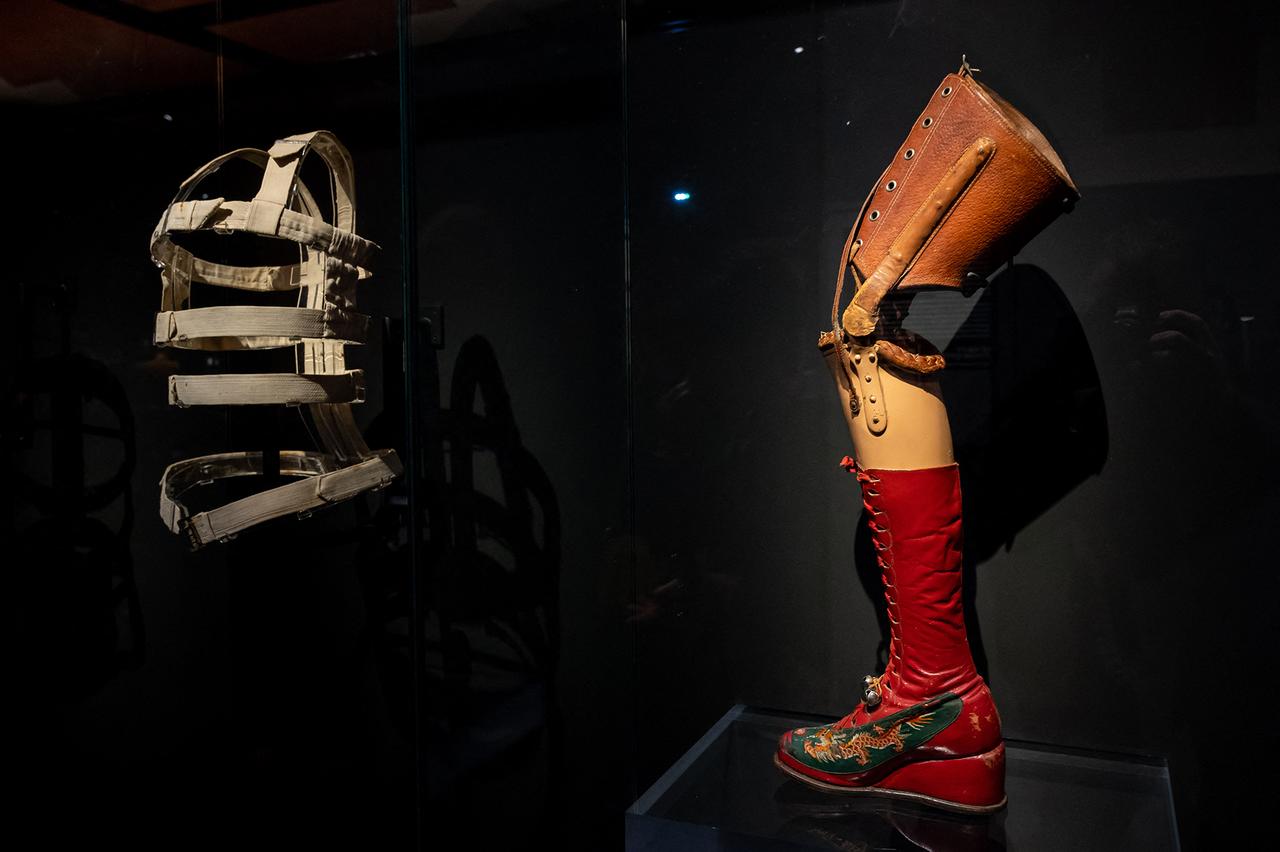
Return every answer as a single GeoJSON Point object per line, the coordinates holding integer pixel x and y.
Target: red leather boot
{"type": "Point", "coordinates": [927, 729]}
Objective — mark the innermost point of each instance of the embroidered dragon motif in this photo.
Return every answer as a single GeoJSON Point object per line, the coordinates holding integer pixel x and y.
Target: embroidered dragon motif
{"type": "Point", "coordinates": [828, 745]}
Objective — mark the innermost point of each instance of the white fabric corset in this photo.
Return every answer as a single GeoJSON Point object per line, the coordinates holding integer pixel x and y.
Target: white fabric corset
{"type": "Point", "coordinates": [332, 259]}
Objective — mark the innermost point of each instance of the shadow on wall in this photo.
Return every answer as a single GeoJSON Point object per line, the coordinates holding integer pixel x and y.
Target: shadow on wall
{"type": "Point", "coordinates": [488, 715]}
{"type": "Point", "coordinates": [1045, 426]}
{"type": "Point", "coordinates": [1028, 418]}
{"type": "Point", "coordinates": [75, 618]}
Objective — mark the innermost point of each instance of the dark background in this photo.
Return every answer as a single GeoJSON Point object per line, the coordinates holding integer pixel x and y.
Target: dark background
{"type": "Point", "coordinates": [652, 508]}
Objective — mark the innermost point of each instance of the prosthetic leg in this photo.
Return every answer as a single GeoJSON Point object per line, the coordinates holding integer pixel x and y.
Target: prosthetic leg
{"type": "Point", "coordinates": [971, 184]}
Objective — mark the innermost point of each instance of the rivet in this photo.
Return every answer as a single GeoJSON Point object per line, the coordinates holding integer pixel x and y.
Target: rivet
{"type": "Point", "coordinates": [871, 399]}
{"type": "Point", "coordinates": [868, 378]}
{"type": "Point", "coordinates": [927, 122]}
{"type": "Point", "coordinates": [891, 186]}
{"type": "Point", "coordinates": [871, 358]}
{"type": "Point", "coordinates": [875, 214]}
{"type": "Point", "coordinates": [857, 359]}
{"type": "Point", "coordinates": [875, 419]}
{"type": "Point", "coordinates": [858, 241]}
{"type": "Point", "coordinates": [911, 152]}
{"type": "Point", "coordinates": [946, 92]}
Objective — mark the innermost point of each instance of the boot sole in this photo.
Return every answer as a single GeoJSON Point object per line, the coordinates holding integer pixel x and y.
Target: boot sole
{"type": "Point", "coordinates": [890, 793]}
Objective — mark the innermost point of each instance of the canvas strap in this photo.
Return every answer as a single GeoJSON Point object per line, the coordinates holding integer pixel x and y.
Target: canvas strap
{"type": "Point", "coordinates": [320, 483]}
{"type": "Point", "coordinates": [266, 389]}
{"type": "Point", "coordinates": [248, 327]}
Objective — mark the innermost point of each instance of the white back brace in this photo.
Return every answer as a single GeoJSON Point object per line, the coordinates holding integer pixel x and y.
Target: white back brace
{"type": "Point", "coordinates": [332, 260]}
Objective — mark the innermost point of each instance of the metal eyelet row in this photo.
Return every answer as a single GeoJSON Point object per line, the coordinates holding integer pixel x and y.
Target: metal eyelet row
{"type": "Point", "coordinates": [890, 590]}
{"type": "Point", "coordinates": [908, 155]}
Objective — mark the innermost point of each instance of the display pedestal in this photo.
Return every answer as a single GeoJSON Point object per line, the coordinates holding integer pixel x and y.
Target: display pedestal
{"type": "Point", "coordinates": [726, 794]}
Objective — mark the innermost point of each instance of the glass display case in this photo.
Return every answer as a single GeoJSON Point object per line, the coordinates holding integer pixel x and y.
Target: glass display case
{"type": "Point", "coordinates": [607, 235]}
{"type": "Point", "coordinates": [724, 793]}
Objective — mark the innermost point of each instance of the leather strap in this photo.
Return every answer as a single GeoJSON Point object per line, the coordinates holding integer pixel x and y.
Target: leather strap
{"type": "Point", "coordinates": [866, 369]}
{"type": "Point", "coordinates": [851, 246]}
{"type": "Point", "coordinates": [862, 312]}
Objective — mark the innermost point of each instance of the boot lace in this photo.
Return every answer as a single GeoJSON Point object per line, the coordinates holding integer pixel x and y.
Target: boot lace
{"type": "Point", "coordinates": [875, 687]}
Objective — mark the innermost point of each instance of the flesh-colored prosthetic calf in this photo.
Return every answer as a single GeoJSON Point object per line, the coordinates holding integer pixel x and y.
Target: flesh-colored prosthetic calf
{"type": "Point", "coordinates": [973, 181]}
{"type": "Point", "coordinates": [919, 434]}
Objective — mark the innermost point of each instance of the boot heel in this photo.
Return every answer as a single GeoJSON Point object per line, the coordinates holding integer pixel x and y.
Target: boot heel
{"type": "Point", "coordinates": [972, 784]}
